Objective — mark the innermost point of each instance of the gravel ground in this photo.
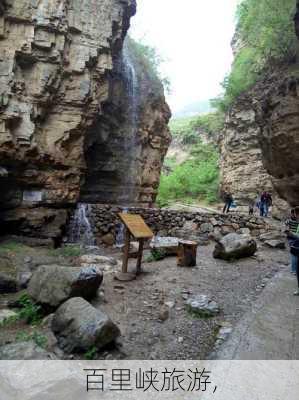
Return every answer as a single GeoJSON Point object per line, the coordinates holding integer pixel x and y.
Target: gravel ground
{"type": "Point", "coordinates": [151, 311]}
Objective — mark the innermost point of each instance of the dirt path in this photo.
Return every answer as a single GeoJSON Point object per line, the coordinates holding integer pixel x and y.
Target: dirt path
{"type": "Point", "coordinates": [151, 311]}
{"type": "Point", "coordinates": [140, 307]}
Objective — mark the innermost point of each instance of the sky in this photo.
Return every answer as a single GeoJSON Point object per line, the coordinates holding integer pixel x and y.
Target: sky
{"type": "Point", "coordinates": [193, 36]}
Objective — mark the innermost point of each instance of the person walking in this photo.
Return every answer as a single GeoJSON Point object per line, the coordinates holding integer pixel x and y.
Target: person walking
{"type": "Point", "coordinates": [292, 226]}
{"type": "Point", "coordinates": [265, 203]}
{"type": "Point", "coordinates": [228, 201]}
{"type": "Point", "coordinates": [293, 239]}
{"type": "Point", "coordinates": [251, 207]}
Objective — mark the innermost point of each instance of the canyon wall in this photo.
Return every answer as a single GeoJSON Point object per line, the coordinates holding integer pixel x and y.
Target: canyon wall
{"type": "Point", "coordinates": [260, 142]}
{"type": "Point", "coordinates": [241, 163]}
{"type": "Point", "coordinates": [126, 145]}
{"type": "Point", "coordinates": [58, 75]}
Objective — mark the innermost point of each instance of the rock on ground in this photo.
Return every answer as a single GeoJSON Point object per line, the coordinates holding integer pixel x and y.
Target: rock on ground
{"type": "Point", "coordinates": [235, 246]}
{"type": "Point", "coordinates": [78, 326]}
{"type": "Point", "coordinates": [53, 284]}
{"type": "Point", "coordinates": [168, 245]}
{"type": "Point", "coordinates": [203, 305]}
{"type": "Point", "coordinates": [5, 314]}
{"type": "Point", "coordinates": [24, 351]}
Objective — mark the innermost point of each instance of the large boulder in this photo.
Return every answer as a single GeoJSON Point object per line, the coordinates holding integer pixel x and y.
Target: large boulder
{"type": "Point", "coordinates": [25, 351]}
{"type": "Point", "coordinates": [166, 245]}
{"type": "Point", "coordinates": [51, 285]}
{"type": "Point", "coordinates": [78, 326]}
{"type": "Point", "coordinates": [235, 246]}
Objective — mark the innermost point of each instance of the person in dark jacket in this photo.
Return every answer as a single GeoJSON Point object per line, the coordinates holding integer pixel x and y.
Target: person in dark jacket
{"type": "Point", "coordinates": [228, 201]}
{"type": "Point", "coordinates": [292, 232]}
{"type": "Point", "coordinates": [265, 204]}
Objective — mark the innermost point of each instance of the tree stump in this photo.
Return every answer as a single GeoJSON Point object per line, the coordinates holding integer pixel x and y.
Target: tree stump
{"type": "Point", "coordinates": [187, 253]}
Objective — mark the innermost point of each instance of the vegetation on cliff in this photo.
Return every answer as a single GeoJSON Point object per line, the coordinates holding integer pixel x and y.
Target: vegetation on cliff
{"type": "Point", "coordinates": [149, 60]}
{"type": "Point", "coordinates": [189, 129]}
{"type": "Point", "coordinates": [265, 36]}
{"type": "Point", "coordinates": [197, 178]}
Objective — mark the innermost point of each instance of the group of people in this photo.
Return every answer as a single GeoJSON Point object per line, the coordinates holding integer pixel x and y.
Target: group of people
{"type": "Point", "coordinates": [262, 203]}
{"type": "Point", "coordinates": [292, 232]}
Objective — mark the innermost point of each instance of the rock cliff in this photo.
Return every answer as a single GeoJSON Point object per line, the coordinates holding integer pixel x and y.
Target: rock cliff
{"type": "Point", "coordinates": [126, 145]}
{"type": "Point", "coordinates": [59, 70]}
{"type": "Point", "coordinates": [260, 143]}
{"type": "Point", "coordinates": [241, 163]}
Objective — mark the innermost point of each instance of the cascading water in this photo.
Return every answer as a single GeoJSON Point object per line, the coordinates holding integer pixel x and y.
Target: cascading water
{"type": "Point", "coordinates": [80, 228]}
{"type": "Point", "coordinates": [131, 146]}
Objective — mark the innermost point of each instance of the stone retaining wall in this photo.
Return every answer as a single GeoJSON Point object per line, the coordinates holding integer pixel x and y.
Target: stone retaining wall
{"type": "Point", "coordinates": [187, 225]}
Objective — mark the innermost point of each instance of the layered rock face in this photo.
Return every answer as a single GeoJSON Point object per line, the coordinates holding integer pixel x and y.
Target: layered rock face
{"type": "Point", "coordinates": [57, 77]}
{"type": "Point", "coordinates": [126, 146]}
{"type": "Point", "coordinates": [278, 113]}
{"type": "Point", "coordinates": [241, 164]}
{"type": "Point", "coordinates": [260, 145]}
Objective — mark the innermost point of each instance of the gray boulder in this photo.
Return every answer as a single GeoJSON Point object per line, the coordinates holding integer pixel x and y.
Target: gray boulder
{"type": "Point", "coordinates": [78, 326]}
{"type": "Point", "coordinates": [203, 306]}
{"type": "Point", "coordinates": [275, 244]}
{"type": "Point", "coordinates": [51, 285]}
{"type": "Point", "coordinates": [235, 246]}
{"type": "Point", "coordinates": [25, 351]}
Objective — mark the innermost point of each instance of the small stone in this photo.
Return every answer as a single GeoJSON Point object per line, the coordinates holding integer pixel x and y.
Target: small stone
{"type": "Point", "coordinates": [164, 314]}
{"type": "Point", "coordinates": [180, 339]}
{"type": "Point", "coordinates": [170, 304]}
{"type": "Point", "coordinates": [203, 305]}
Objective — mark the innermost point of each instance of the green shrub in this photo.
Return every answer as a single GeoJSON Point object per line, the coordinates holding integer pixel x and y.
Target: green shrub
{"type": "Point", "coordinates": [30, 312]}
{"type": "Point", "coordinates": [195, 179]}
{"type": "Point", "coordinates": [91, 353]}
{"type": "Point", "coordinates": [150, 61]}
{"type": "Point", "coordinates": [39, 339]}
{"type": "Point", "coordinates": [68, 251]}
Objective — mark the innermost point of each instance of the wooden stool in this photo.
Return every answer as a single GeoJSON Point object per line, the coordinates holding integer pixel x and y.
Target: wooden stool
{"type": "Point", "coordinates": [187, 253]}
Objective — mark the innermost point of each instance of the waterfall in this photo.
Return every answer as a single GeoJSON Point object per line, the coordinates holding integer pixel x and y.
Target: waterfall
{"type": "Point", "coordinates": [80, 229]}
{"type": "Point", "coordinates": [129, 193]}
{"type": "Point", "coordinates": [120, 232]}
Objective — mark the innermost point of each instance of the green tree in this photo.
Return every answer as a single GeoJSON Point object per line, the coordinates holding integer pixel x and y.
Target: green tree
{"type": "Point", "coordinates": [265, 36]}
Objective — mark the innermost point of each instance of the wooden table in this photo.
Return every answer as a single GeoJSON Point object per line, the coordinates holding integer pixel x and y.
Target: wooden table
{"type": "Point", "coordinates": [135, 227]}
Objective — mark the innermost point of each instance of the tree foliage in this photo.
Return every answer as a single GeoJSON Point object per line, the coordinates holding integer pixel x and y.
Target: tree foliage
{"type": "Point", "coordinates": [189, 129]}
{"type": "Point", "coordinates": [265, 35]}
{"type": "Point", "coordinates": [150, 60]}
{"type": "Point", "coordinates": [195, 179]}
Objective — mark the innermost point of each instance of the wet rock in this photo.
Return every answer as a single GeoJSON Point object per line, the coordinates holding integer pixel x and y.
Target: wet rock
{"type": "Point", "coordinates": [78, 326]}
{"type": "Point", "coordinates": [235, 246]}
{"type": "Point", "coordinates": [203, 306]}
{"type": "Point", "coordinates": [25, 351]}
{"type": "Point", "coordinates": [51, 285]}
{"type": "Point", "coordinates": [8, 284]}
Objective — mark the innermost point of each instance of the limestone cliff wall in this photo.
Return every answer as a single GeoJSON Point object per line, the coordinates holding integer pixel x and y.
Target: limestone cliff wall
{"type": "Point", "coordinates": [126, 145]}
{"type": "Point", "coordinates": [58, 68]}
{"type": "Point", "coordinates": [278, 113]}
{"type": "Point", "coordinates": [241, 163]}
